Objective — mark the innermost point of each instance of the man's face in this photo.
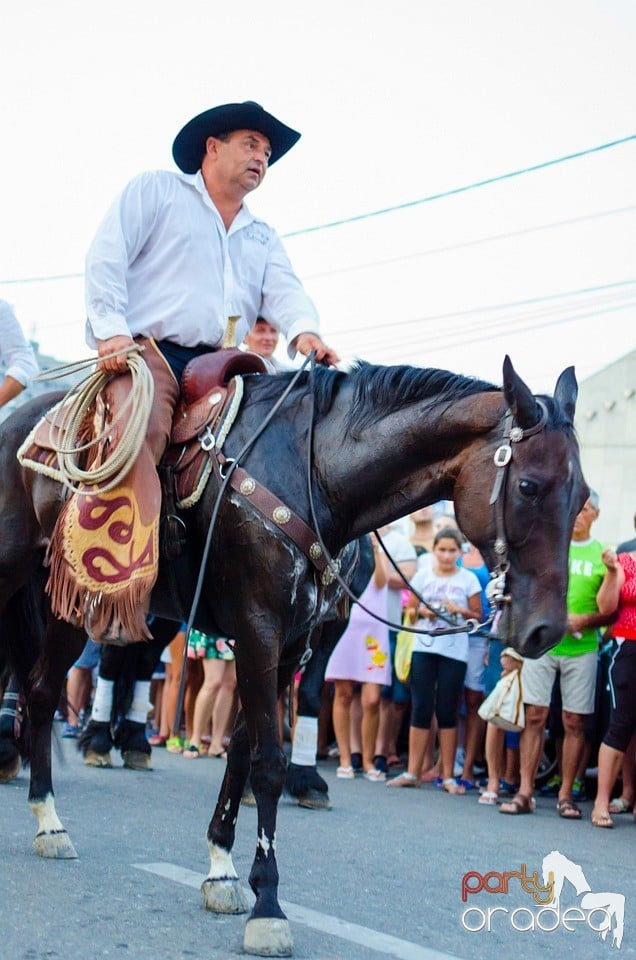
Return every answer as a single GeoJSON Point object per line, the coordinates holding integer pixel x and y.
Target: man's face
{"type": "Point", "coordinates": [584, 520]}
{"type": "Point", "coordinates": [262, 338]}
{"type": "Point", "coordinates": [242, 159]}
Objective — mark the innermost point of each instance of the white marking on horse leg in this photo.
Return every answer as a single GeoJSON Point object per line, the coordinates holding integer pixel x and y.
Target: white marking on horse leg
{"type": "Point", "coordinates": [221, 889]}
{"type": "Point", "coordinates": [51, 841]}
{"type": "Point", "coordinates": [265, 843]}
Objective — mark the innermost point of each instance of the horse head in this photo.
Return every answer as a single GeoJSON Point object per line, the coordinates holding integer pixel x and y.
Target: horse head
{"type": "Point", "coordinates": [531, 467]}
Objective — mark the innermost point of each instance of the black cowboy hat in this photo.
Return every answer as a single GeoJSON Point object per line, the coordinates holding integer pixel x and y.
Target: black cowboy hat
{"type": "Point", "coordinates": [188, 148]}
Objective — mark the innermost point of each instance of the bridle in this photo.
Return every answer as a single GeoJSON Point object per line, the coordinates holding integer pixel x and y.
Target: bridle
{"type": "Point", "coordinates": [496, 589]}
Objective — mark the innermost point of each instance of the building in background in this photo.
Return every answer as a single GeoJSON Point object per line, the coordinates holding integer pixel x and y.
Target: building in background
{"type": "Point", "coordinates": [606, 425]}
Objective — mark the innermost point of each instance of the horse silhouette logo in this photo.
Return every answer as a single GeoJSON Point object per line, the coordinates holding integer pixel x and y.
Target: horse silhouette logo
{"type": "Point", "coordinates": [557, 869]}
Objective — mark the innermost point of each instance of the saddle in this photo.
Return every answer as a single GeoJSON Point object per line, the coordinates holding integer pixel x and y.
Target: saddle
{"type": "Point", "coordinates": [211, 392]}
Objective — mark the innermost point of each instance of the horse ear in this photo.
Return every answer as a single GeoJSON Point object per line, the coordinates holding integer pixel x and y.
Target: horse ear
{"type": "Point", "coordinates": [519, 398]}
{"type": "Point", "coordinates": [566, 392]}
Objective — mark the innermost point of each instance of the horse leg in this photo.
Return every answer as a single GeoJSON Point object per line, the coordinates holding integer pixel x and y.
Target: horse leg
{"type": "Point", "coordinates": [303, 782]}
{"type": "Point", "coordinates": [9, 751]}
{"type": "Point", "coordinates": [267, 930]}
{"type": "Point", "coordinates": [221, 889]}
{"type": "Point", "coordinates": [62, 646]}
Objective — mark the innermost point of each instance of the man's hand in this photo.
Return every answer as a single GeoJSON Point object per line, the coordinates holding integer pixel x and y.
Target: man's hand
{"type": "Point", "coordinates": [113, 345]}
{"type": "Point", "coordinates": [306, 342]}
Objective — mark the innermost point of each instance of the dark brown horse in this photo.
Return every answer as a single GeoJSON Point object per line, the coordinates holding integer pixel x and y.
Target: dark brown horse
{"type": "Point", "coordinates": [385, 441]}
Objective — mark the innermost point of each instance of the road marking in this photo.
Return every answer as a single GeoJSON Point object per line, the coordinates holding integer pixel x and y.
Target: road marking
{"type": "Point", "coordinates": [334, 926]}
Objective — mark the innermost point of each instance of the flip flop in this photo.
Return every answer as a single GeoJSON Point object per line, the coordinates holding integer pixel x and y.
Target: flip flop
{"type": "Point", "coordinates": [488, 798]}
{"type": "Point", "coordinates": [621, 805]}
{"type": "Point", "coordinates": [519, 803]}
{"type": "Point", "coordinates": [222, 755]}
{"type": "Point", "coordinates": [568, 809]}
{"type": "Point", "coordinates": [602, 819]}
{"type": "Point", "coordinates": [454, 787]}
{"type": "Point", "coordinates": [191, 752]}
{"type": "Point", "coordinates": [405, 779]}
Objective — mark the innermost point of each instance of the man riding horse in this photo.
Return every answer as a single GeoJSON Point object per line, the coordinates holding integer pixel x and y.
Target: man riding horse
{"type": "Point", "coordinates": [177, 255]}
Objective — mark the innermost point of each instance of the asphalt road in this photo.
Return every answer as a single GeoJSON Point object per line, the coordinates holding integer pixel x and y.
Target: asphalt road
{"type": "Point", "coordinates": [380, 875]}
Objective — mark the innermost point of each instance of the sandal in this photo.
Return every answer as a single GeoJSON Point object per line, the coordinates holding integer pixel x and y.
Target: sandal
{"type": "Point", "coordinates": [568, 809]}
{"type": "Point", "coordinates": [518, 805]}
{"type": "Point", "coordinates": [621, 805]}
{"type": "Point", "coordinates": [157, 740]}
{"type": "Point", "coordinates": [374, 775]}
{"type": "Point", "coordinates": [404, 779]}
{"type": "Point", "coordinates": [466, 784]}
{"type": "Point", "coordinates": [191, 752]}
{"type": "Point", "coordinates": [488, 798]}
{"type": "Point", "coordinates": [454, 787]}
{"type": "Point", "coordinates": [602, 819]}
{"type": "Point", "coordinates": [221, 755]}
{"type": "Point", "coordinates": [345, 773]}
{"type": "Point", "coordinates": [174, 745]}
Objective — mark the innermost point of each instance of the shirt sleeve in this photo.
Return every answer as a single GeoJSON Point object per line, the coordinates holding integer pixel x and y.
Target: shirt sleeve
{"type": "Point", "coordinates": [15, 350]}
{"type": "Point", "coordinates": [284, 301]}
{"type": "Point", "coordinates": [117, 243]}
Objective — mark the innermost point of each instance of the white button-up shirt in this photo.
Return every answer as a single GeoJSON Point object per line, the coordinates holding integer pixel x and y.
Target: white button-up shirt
{"type": "Point", "coordinates": [16, 353]}
{"type": "Point", "coordinates": [163, 265]}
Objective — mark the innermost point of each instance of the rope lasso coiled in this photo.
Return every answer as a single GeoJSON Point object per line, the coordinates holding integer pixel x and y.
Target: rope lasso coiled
{"type": "Point", "coordinates": [71, 414]}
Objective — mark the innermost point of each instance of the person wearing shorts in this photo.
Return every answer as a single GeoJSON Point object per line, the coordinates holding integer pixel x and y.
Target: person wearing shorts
{"type": "Point", "coordinates": [215, 699]}
{"type": "Point", "coordinates": [575, 661]}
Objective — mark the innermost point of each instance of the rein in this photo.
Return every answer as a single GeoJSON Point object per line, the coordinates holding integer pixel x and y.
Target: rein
{"type": "Point", "coordinates": [229, 467]}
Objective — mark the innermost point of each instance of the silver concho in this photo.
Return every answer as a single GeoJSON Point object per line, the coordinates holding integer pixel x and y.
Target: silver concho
{"type": "Point", "coordinates": [315, 551]}
{"type": "Point", "coordinates": [247, 486]}
{"type": "Point", "coordinates": [214, 398]}
{"type": "Point", "coordinates": [282, 515]}
{"type": "Point", "coordinates": [328, 575]}
{"type": "Point", "coordinates": [516, 434]}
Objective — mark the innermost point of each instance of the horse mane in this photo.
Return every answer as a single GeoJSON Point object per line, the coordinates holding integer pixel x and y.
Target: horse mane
{"type": "Point", "coordinates": [379, 390]}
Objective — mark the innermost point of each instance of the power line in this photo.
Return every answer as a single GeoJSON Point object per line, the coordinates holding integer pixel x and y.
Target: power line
{"type": "Point", "coordinates": [455, 342]}
{"type": "Point", "coordinates": [412, 203]}
{"type": "Point", "coordinates": [463, 189]}
{"type": "Point", "coordinates": [493, 238]}
{"type": "Point", "coordinates": [494, 306]}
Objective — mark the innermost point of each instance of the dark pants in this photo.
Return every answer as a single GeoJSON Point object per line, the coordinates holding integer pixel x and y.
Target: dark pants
{"type": "Point", "coordinates": [436, 686]}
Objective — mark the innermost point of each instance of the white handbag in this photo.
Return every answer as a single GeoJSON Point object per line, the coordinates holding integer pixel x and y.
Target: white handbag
{"type": "Point", "coordinates": [504, 706]}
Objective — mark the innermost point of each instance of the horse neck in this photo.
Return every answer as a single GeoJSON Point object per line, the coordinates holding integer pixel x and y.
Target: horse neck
{"type": "Point", "coordinates": [405, 460]}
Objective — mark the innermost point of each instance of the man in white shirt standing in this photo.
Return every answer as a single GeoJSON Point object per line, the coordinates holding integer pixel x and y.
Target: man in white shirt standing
{"type": "Point", "coordinates": [175, 257]}
{"type": "Point", "coordinates": [16, 355]}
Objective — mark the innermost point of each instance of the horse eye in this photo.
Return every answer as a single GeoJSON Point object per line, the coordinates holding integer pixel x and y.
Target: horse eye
{"type": "Point", "coordinates": [528, 488]}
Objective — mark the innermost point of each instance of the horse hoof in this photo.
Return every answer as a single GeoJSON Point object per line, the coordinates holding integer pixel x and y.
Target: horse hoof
{"type": "Point", "coordinates": [136, 760]}
{"type": "Point", "coordinates": [10, 770]}
{"type": "Point", "coordinates": [315, 800]}
{"type": "Point", "coordinates": [93, 759]}
{"type": "Point", "coordinates": [55, 846]}
{"type": "Point", "coordinates": [224, 896]}
{"type": "Point", "coordinates": [268, 937]}
{"type": "Point", "coordinates": [248, 799]}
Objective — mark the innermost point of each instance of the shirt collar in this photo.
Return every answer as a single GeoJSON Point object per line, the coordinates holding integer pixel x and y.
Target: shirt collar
{"type": "Point", "coordinates": [243, 218]}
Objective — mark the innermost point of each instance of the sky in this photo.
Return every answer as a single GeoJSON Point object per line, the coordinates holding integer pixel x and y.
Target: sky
{"type": "Point", "coordinates": [397, 103]}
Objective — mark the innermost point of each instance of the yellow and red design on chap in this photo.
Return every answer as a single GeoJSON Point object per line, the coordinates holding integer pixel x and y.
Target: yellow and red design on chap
{"type": "Point", "coordinates": [105, 542]}
{"type": "Point", "coordinates": [377, 656]}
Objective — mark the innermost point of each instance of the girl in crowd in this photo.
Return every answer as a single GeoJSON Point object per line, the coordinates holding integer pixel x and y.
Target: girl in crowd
{"type": "Point", "coordinates": [438, 664]}
{"type": "Point", "coordinates": [361, 657]}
